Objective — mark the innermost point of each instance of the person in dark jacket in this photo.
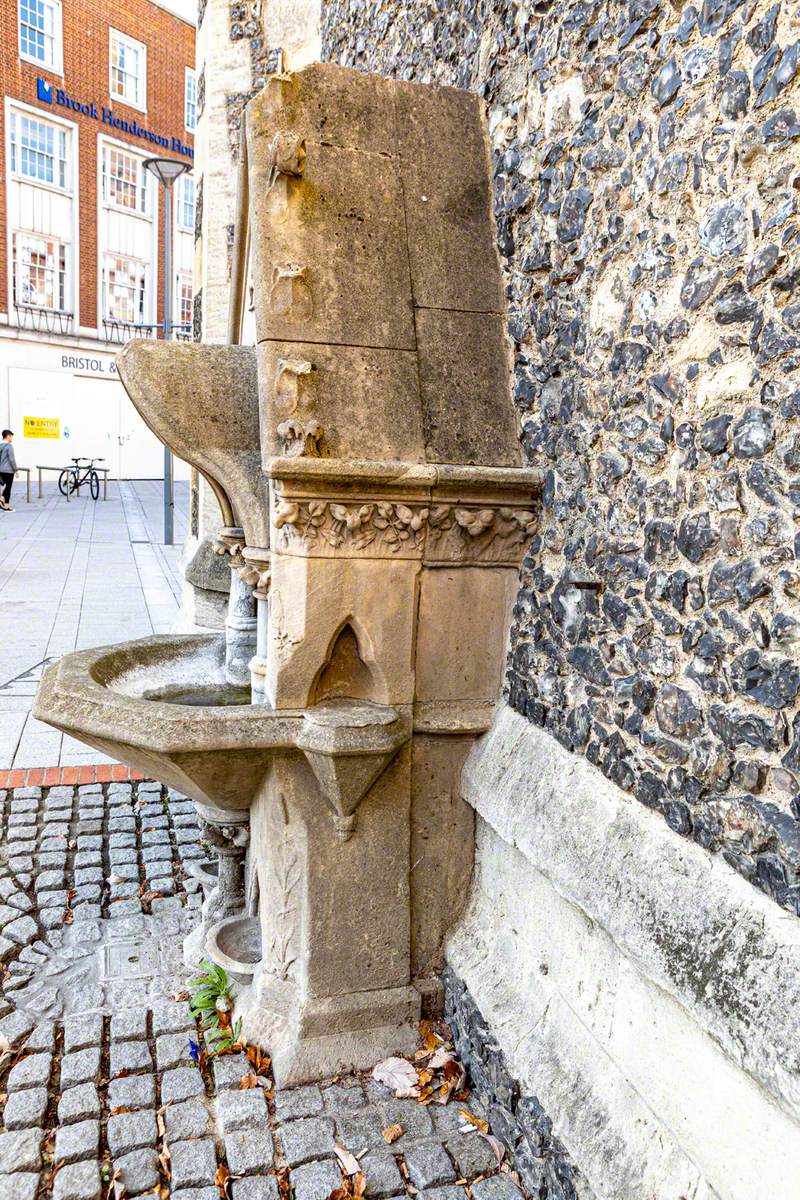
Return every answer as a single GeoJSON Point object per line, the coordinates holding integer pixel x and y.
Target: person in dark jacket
{"type": "Point", "coordinates": [8, 468]}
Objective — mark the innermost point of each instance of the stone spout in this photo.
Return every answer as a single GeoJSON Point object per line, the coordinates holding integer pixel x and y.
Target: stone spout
{"type": "Point", "coordinates": [202, 402]}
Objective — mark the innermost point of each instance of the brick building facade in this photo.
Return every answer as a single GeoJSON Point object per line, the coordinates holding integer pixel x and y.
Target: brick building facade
{"type": "Point", "coordinates": [90, 91]}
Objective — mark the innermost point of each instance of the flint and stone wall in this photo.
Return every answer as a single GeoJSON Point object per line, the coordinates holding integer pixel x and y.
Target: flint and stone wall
{"type": "Point", "coordinates": [646, 197]}
{"type": "Point", "coordinates": [646, 201]}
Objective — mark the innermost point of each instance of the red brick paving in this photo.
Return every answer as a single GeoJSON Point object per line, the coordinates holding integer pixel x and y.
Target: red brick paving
{"type": "Point", "coordinates": [53, 776]}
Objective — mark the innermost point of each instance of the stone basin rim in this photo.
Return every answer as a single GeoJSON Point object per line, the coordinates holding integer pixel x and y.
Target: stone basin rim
{"type": "Point", "coordinates": [72, 697]}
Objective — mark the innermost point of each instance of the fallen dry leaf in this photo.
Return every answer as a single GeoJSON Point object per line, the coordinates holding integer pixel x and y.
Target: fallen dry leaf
{"type": "Point", "coordinates": [247, 1082]}
{"type": "Point", "coordinates": [398, 1074]}
{"type": "Point", "coordinates": [347, 1161]}
{"type": "Point", "coordinates": [478, 1122]}
{"type": "Point", "coordinates": [392, 1132]}
{"type": "Point", "coordinates": [221, 1179]}
{"type": "Point", "coordinates": [499, 1151]}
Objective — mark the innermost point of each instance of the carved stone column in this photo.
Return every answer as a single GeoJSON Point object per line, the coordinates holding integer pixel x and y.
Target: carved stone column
{"type": "Point", "coordinates": [257, 572]}
{"type": "Point", "coordinates": [240, 623]}
{"type": "Point", "coordinates": [228, 833]}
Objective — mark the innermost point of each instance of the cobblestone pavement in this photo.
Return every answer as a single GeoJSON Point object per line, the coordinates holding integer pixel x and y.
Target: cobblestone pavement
{"type": "Point", "coordinates": [101, 1097]}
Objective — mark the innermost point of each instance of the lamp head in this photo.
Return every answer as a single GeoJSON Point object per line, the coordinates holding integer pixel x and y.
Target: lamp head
{"type": "Point", "coordinates": [166, 170]}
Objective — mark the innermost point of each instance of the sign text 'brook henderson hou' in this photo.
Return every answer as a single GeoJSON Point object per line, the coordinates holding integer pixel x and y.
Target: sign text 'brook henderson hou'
{"type": "Point", "coordinates": [55, 95]}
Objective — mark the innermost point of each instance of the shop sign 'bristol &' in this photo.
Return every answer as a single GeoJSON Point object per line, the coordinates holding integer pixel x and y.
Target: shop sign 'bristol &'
{"type": "Point", "coordinates": [56, 95]}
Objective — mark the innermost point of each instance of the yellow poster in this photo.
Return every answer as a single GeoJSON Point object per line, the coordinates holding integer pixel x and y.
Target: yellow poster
{"type": "Point", "coordinates": [41, 427]}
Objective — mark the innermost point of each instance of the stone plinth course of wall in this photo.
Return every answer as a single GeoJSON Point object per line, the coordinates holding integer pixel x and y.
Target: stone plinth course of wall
{"type": "Point", "coordinates": [646, 170]}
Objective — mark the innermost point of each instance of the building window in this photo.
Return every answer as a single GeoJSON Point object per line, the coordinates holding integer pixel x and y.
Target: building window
{"type": "Point", "coordinates": [183, 307]}
{"type": "Point", "coordinates": [124, 180]}
{"type": "Point", "coordinates": [39, 271]}
{"type": "Point", "coordinates": [128, 60]}
{"type": "Point", "coordinates": [124, 290]}
{"type": "Point", "coordinates": [190, 118]}
{"type": "Point", "coordinates": [40, 33]}
{"type": "Point", "coordinates": [39, 151]}
{"type": "Point", "coordinates": [185, 203]}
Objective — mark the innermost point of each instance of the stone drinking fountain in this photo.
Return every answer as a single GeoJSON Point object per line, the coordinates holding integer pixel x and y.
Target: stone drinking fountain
{"type": "Point", "coordinates": [365, 457]}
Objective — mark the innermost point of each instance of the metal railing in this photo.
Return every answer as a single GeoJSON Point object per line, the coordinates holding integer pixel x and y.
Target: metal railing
{"type": "Point", "coordinates": [123, 331]}
{"type": "Point", "coordinates": [44, 320]}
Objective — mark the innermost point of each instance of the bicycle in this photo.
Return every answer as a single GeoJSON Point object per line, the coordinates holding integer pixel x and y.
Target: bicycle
{"type": "Point", "coordinates": [71, 478]}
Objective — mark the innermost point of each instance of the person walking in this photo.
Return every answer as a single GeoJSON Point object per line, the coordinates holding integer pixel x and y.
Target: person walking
{"type": "Point", "coordinates": [8, 468]}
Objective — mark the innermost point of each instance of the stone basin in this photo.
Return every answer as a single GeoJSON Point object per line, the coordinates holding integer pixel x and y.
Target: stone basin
{"type": "Point", "coordinates": [217, 754]}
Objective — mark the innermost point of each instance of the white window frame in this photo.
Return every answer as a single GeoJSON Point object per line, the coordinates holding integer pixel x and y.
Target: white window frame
{"type": "Point", "coordinates": [190, 77]}
{"type": "Point", "coordinates": [141, 104]}
{"type": "Point", "coordinates": [107, 146]}
{"type": "Point", "coordinates": [56, 307]}
{"type": "Point", "coordinates": [74, 247]}
{"type": "Point", "coordinates": [153, 277]}
{"type": "Point", "coordinates": [146, 281]}
{"type": "Point", "coordinates": [16, 114]}
{"type": "Point", "coordinates": [181, 278]}
{"type": "Point", "coordinates": [56, 67]}
{"type": "Point", "coordinates": [179, 203]}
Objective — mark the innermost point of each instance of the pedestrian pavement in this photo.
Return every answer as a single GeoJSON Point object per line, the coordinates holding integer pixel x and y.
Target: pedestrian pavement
{"type": "Point", "coordinates": [72, 576]}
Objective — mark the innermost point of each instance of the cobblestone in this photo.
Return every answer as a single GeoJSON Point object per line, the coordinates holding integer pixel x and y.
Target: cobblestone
{"type": "Point", "coordinates": [429, 1165]}
{"type": "Point", "coordinates": [131, 1131]}
{"type": "Point", "coordinates": [241, 1110]}
{"type": "Point", "coordinates": [78, 1103]}
{"type": "Point", "coordinates": [316, 1180]}
{"type": "Point", "coordinates": [308, 1138]}
{"type": "Point", "coordinates": [192, 1163]}
{"type": "Point", "coordinates": [138, 1171]}
{"type": "Point", "coordinates": [249, 1151]}
{"type": "Point", "coordinates": [78, 1181]}
{"type": "Point", "coordinates": [74, 1143]}
{"type": "Point", "coordinates": [25, 1109]}
{"type": "Point", "coordinates": [119, 1017]}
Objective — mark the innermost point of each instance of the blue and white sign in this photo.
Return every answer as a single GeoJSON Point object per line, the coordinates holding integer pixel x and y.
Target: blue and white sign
{"type": "Point", "coordinates": [58, 96]}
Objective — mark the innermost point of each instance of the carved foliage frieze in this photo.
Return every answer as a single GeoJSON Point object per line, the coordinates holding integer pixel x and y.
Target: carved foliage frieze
{"type": "Point", "coordinates": [376, 529]}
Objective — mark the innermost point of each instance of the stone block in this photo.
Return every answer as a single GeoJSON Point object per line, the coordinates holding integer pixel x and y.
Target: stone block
{"type": "Point", "coordinates": [472, 1154]}
{"type": "Point", "coordinates": [20, 1151]}
{"type": "Point", "coordinates": [138, 1171]}
{"type": "Point", "coordinates": [23, 1185]}
{"type": "Point", "coordinates": [192, 1163]}
{"type": "Point", "coordinates": [79, 1067]}
{"type": "Point", "coordinates": [172, 1050]}
{"type": "Point", "coordinates": [339, 299]}
{"type": "Point", "coordinates": [129, 1025]}
{"type": "Point", "coordinates": [447, 199]}
{"type": "Point", "coordinates": [366, 399]}
{"type": "Point", "coordinates": [242, 1110]}
{"type": "Point", "coordinates": [33, 1071]}
{"type": "Point", "coordinates": [80, 1103]}
{"type": "Point", "coordinates": [186, 1120]}
{"type": "Point", "coordinates": [297, 1102]}
{"type": "Point", "coordinates": [181, 1083]}
{"type": "Point", "coordinates": [75, 1143]}
{"type": "Point", "coordinates": [171, 1018]}
{"type": "Point", "coordinates": [228, 1070]}
{"type": "Point", "coordinates": [382, 1175]}
{"type": "Point", "coordinates": [131, 1131]}
{"type": "Point", "coordinates": [78, 1181]}
{"type": "Point", "coordinates": [429, 1165]}
{"type": "Point", "coordinates": [130, 1056]}
{"type": "Point", "coordinates": [306, 1139]}
{"type": "Point", "coordinates": [132, 1091]}
{"type": "Point", "coordinates": [249, 1151]}
{"type": "Point", "coordinates": [464, 366]}
{"type": "Point", "coordinates": [316, 1180]}
{"type": "Point", "coordinates": [255, 1187]}
{"type": "Point", "coordinates": [344, 1097]}
{"type": "Point", "coordinates": [497, 1187]}
{"type": "Point", "coordinates": [25, 1109]}
{"type": "Point", "coordinates": [83, 1031]}
{"type": "Point", "coordinates": [359, 1129]}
